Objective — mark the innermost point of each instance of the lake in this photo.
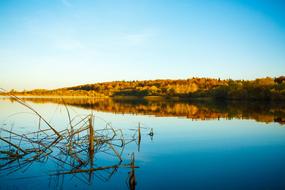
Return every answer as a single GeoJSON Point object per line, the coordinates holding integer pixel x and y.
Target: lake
{"type": "Point", "coordinates": [141, 144]}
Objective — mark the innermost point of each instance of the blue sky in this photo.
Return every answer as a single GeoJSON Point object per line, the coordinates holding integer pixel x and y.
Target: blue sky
{"type": "Point", "coordinates": [57, 43]}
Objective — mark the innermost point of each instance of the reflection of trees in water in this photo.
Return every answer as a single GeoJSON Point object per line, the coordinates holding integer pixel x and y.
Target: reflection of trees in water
{"type": "Point", "coordinates": [197, 110]}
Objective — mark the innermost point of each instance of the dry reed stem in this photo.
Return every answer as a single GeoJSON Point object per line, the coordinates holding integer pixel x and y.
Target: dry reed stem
{"type": "Point", "coordinates": [95, 169]}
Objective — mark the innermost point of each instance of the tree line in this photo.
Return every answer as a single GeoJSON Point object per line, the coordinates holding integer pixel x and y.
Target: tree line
{"type": "Point", "coordinates": [259, 89]}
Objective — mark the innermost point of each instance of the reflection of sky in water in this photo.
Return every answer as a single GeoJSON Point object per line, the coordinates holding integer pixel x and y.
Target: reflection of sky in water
{"type": "Point", "coordinates": [183, 154]}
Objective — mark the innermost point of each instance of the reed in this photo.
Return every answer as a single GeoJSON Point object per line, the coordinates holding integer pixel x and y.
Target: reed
{"type": "Point", "coordinates": [72, 148]}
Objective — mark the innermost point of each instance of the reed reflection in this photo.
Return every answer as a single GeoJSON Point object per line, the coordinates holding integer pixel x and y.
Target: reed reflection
{"type": "Point", "coordinates": [76, 150]}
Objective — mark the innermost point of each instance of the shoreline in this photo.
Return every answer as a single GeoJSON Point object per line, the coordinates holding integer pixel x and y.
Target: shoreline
{"type": "Point", "coordinates": [146, 98]}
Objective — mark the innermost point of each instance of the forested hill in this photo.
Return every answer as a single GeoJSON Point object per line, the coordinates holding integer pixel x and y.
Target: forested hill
{"type": "Point", "coordinates": [258, 89]}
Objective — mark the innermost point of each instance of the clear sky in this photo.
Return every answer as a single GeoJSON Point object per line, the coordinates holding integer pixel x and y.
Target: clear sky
{"type": "Point", "coordinates": [57, 43]}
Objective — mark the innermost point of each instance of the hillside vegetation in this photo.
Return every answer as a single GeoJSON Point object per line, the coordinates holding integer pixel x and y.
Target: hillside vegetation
{"type": "Point", "coordinates": [259, 89]}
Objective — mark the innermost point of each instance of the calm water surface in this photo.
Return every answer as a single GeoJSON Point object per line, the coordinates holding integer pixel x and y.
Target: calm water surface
{"type": "Point", "coordinates": [193, 147]}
